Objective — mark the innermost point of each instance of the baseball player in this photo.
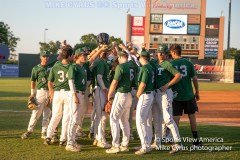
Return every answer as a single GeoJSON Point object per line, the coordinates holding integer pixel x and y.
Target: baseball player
{"type": "Point", "coordinates": [119, 116]}
{"type": "Point", "coordinates": [80, 132]}
{"type": "Point", "coordinates": [184, 97]}
{"type": "Point", "coordinates": [144, 106]}
{"type": "Point", "coordinates": [132, 58]}
{"type": "Point", "coordinates": [77, 79]}
{"type": "Point", "coordinates": [101, 85]}
{"type": "Point", "coordinates": [59, 95]}
{"type": "Point", "coordinates": [39, 90]}
{"type": "Point", "coordinates": [164, 98]}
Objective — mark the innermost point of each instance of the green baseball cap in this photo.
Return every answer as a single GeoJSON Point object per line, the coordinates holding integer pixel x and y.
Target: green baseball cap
{"type": "Point", "coordinates": [45, 54]}
{"type": "Point", "coordinates": [145, 53]}
{"type": "Point", "coordinates": [163, 49]}
{"type": "Point", "coordinates": [79, 51]}
{"type": "Point", "coordinates": [122, 53]}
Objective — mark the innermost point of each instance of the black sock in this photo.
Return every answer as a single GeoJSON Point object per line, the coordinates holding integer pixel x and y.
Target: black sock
{"type": "Point", "coordinates": [195, 134]}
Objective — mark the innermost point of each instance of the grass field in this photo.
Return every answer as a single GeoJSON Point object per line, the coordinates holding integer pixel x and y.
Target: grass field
{"type": "Point", "coordinates": [13, 97]}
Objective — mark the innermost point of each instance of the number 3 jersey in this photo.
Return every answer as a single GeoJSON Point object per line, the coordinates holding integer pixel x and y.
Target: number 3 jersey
{"type": "Point", "coordinates": [183, 90]}
{"type": "Point", "coordinates": [59, 76]}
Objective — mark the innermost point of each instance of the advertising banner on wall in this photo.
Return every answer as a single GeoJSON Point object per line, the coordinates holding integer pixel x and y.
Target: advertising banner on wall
{"type": "Point", "coordinates": [174, 24]}
{"type": "Point", "coordinates": [194, 19]}
{"type": "Point", "coordinates": [211, 47]}
{"type": "Point", "coordinates": [156, 28]}
{"type": "Point", "coordinates": [138, 25]}
{"type": "Point", "coordinates": [8, 70]}
{"type": "Point", "coordinates": [215, 70]}
{"type": "Point", "coordinates": [138, 31]}
{"type": "Point", "coordinates": [194, 29]}
{"type": "Point", "coordinates": [176, 6]}
{"type": "Point", "coordinates": [212, 27]}
{"type": "Point", "coordinates": [156, 18]}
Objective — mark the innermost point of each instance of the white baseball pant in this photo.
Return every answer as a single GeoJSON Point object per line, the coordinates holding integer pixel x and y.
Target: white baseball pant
{"type": "Point", "coordinates": [144, 119]}
{"type": "Point", "coordinates": [100, 118]}
{"type": "Point", "coordinates": [119, 117]}
{"type": "Point", "coordinates": [164, 103]}
{"type": "Point", "coordinates": [84, 107]}
{"type": "Point", "coordinates": [60, 109]}
{"type": "Point", "coordinates": [133, 107]}
{"type": "Point", "coordinates": [75, 118]}
{"type": "Point", "coordinates": [42, 99]}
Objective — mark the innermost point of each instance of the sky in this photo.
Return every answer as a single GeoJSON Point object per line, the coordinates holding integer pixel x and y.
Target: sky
{"type": "Point", "coordinates": [70, 19]}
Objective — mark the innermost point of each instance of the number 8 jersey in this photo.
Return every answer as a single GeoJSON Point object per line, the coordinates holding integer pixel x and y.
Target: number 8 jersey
{"type": "Point", "coordinates": [183, 90]}
{"type": "Point", "coordinates": [59, 76]}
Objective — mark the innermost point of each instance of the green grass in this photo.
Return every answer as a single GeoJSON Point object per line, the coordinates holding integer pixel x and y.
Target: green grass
{"type": "Point", "coordinates": [207, 86]}
{"type": "Point", "coordinates": [13, 97]}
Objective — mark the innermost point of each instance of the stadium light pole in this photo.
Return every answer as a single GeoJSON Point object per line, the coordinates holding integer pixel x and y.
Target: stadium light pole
{"type": "Point", "coordinates": [229, 28]}
{"type": "Point", "coordinates": [45, 32]}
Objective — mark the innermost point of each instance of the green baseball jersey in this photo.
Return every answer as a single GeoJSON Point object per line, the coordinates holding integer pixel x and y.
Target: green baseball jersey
{"type": "Point", "coordinates": [89, 73]}
{"type": "Point", "coordinates": [79, 75]}
{"type": "Point", "coordinates": [101, 68]}
{"type": "Point", "coordinates": [124, 74]}
{"type": "Point", "coordinates": [164, 73]}
{"type": "Point", "coordinates": [183, 90]}
{"type": "Point", "coordinates": [135, 67]}
{"type": "Point", "coordinates": [59, 76]}
{"type": "Point", "coordinates": [154, 63]}
{"type": "Point", "coordinates": [146, 75]}
{"type": "Point", "coordinates": [40, 75]}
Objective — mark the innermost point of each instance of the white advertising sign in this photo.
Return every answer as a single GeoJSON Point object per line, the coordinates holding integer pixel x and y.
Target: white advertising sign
{"type": "Point", "coordinates": [175, 24]}
{"type": "Point", "coordinates": [137, 41]}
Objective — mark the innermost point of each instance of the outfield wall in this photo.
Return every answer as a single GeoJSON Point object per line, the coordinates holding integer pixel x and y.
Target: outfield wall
{"type": "Point", "coordinates": [28, 61]}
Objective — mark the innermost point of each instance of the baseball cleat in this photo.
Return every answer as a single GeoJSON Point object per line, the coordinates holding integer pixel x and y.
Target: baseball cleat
{"type": "Point", "coordinates": [124, 149]}
{"type": "Point", "coordinates": [26, 135]}
{"type": "Point", "coordinates": [197, 144]}
{"type": "Point", "coordinates": [47, 141]}
{"type": "Point", "coordinates": [137, 148]}
{"type": "Point", "coordinates": [104, 145]}
{"type": "Point", "coordinates": [113, 150]}
{"type": "Point", "coordinates": [95, 142]}
{"type": "Point", "coordinates": [80, 133]}
{"type": "Point", "coordinates": [91, 135]}
{"type": "Point", "coordinates": [154, 145]}
{"type": "Point", "coordinates": [73, 148]}
{"type": "Point", "coordinates": [55, 139]}
{"type": "Point", "coordinates": [142, 151]}
{"type": "Point", "coordinates": [44, 135]}
{"type": "Point", "coordinates": [62, 143]}
{"type": "Point", "coordinates": [176, 148]}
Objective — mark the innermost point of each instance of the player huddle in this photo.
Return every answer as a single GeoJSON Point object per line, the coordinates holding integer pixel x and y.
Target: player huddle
{"type": "Point", "coordinates": [158, 87]}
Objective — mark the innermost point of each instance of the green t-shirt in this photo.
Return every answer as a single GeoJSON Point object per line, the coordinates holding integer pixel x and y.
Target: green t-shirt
{"type": "Point", "coordinates": [101, 68]}
{"type": "Point", "coordinates": [146, 75]}
{"type": "Point", "coordinates": [183, 90]}
{"type": "Point", "coordinates": [164, 73]}
{"type": "Point", "coordinates": [79, 75]}
{"type": "Point", "coordinates": [124, 74]}
{"type": "Point", "coordinates": [59, 76]}
{"type": "Point", "coordinates": [136, 70]}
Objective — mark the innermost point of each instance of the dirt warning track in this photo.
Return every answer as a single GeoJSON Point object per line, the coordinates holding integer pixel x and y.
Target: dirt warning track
{"type": "Point", "coordinates": [219, 107]}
